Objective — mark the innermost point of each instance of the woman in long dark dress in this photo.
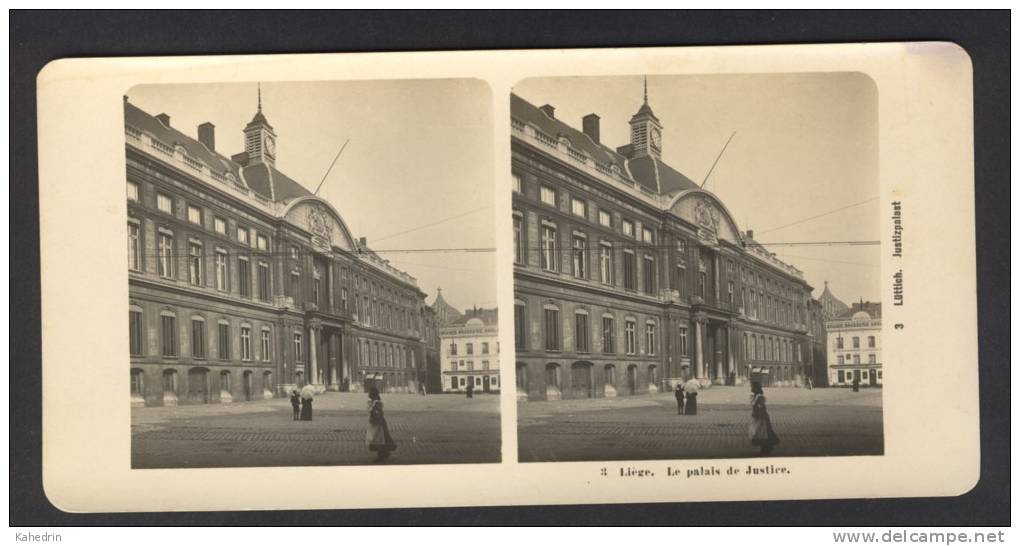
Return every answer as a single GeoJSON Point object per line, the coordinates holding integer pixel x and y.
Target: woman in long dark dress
{"type": "Point", "coordinates": [378, 434]}
{"type": "Point", "coordinates": [307, 395]}
{"type": "Point", "coordinates": [760, 430]}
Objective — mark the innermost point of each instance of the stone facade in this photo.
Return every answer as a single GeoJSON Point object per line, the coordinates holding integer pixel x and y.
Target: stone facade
{"type": "Point", "coordinates": [629, 277]}
{"type": "Point", "coordinates": [855, 346]}
{"type": "Point", "coordinates": [244, 285]}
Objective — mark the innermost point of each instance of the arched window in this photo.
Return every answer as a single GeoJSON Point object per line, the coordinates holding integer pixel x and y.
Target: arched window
{"type": "Point", "coordinates": [610, 373]}
{"type": "Point", "coordinates": [267, 381]}
{"type": "Point", "coordinates": [225, 381]}
{"type": "Point", "coordinates": [522, 376]}
{"type": "Point", "coordinates": [168, 334]}
{"type": "Point", "coordinates": [137, 383]}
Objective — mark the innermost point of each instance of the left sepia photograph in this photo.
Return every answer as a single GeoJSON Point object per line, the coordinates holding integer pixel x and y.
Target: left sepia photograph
{"type": "Point", "coordinates": [296, 267]}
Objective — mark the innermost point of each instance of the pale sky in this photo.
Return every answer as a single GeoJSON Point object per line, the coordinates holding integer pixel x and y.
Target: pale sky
{"type": "Point", "coordinates": [420, 152]}
{"type": "Point", "coordinates": [805, 144]}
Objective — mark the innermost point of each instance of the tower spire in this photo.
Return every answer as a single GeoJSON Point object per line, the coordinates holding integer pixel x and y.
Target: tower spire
{"type": "Point", "coordinates": [646, 89]}
{"type": "Point", "coordinates": [260, 96]}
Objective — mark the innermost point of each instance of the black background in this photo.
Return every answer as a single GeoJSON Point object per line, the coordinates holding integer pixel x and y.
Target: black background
{"type": "Point", "coordinates": [39, 37]}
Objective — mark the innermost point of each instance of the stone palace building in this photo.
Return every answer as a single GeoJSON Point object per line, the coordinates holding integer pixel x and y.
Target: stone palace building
{"type": "Point", "coordinates": [628, 276]}
{"type": "Point", "coordinates": [243, 284]}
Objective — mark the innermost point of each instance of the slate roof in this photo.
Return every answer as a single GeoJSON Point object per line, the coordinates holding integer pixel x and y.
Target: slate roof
{"type": "Point", "coordinates": [651, 173]}
{"type": "Point", "coordinates": [872, 308]}
{"type": "Point", "coordinates": [489, 316]}
{"type": "Point", "coordinates": [262, 178]}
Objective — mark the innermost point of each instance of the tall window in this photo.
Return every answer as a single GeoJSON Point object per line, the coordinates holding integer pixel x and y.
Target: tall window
{"type": "Point", "coordinates": [680, 280]}
{"type": "Point", "coordinates": [856, 342]}
{"type": "Point", "coordinates": [630, 337]}
{"type": "Point", "coordinates": [578, 207]}
{"type": "Point", "coordinates": [244, 276]}
{"type": "Point", "coordinates": [549, 248]}
{"type": "Point", "coordinates": [647, 235]}
{"type": "Point", "coordinates": [581, 335]}
{"type": "Point", "coordinates": [194, 215]}
{"type": "Point", "coordinates": [517, 182]}
{"type": "Point", "coordinates": [223, 341]}
{"type": "Point", "coordinates": [263, 281]}
{"type": "Point", "coordinates": [246, 343]}
{"type": "Point", "coordinates": [221, 269]}
{"type": "Point", "coordinates": [872, 359]}
{"type": "Point", "coordinates": [195, 263]}
{"type": "Point", "coordinates": [605, 218]}
{"type": "Point", "coordinates": [134, 247]}
{"type": "Point", "coordinates": [453, 348]}
{"type": "Point", "coordinates": [650, 337]}
{"type": "Point", "coordinates": [164, 203]}
{"type": "Point", "coordinates": [839, 342]}
{"type": "Point", "coordinates": [132, 191]}
{"type": "Point", "coordinates": [166, 255]}
{"type": "Point", "coordinates": [242, 235]}
{"type": "Point", "coordinates": [168, 329]}
{"type": "Point", "coordinates": [702, 281]}
{"type": "Point", "coordinates": [470, 349]}
{"type": "Point", "coordinates": [649, 274]}
{"type": "Point", "coordinates": [857, 359]}
{"type": "Point", "coordinates": [520, 327]}
{"type": "Point", "coordinates": [579, 254]}
{"type": "Point", "coordinates": [265, 345]}
{"type": "Point", "coordinates": [135, 332]}
{"type": "Point", "coordinates": [261, 242]}
{"type": "Point", "coordinates": [552, 330]}
{"type": "Point", "coordinates": [871, 342]}
{"type": "Point", "coordinates": [606, 262]}
{"type": "Point", "coordinates": [220, 225]}
{"type": "Point", "coordinates": [297, 348]}
{"type": "Point", "coordinates": [548, 196]}
{"type": "Point", "coordinates": [729, 291]}
{"type": "Point", "coordinates": [197, 338]}
{"type": "Point", "coordinates": [628, 228]}
{"type": "Point", "coordinates": [518, 239]}
{"type": "Point", "coordinates": [629, 270]}
{"type": "Point", "coordinates": [682, 340]}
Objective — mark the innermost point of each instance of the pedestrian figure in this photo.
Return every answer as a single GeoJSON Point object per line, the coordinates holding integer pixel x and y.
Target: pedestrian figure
{"type": "Point", "coordinates": [809, 383]}
{"type": "Point", "coordinates": [679, 394]}
{"type": "Point", "coordinates": [691, 391]}
{"type": "Point", "coordinates": [307, 395]}
{"type": "Point", "coordinates": [760, 431]}
{"type": "Point", "coordinates": [421, 388]}
{"type": "Point", "coordinates": [295, 402]}
{"type": "Point", "coordinates": [378, 435]}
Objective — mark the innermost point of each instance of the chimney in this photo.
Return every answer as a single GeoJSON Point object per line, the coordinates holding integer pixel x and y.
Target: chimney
{"type": "Point", "coordinates": [750, 234]}
{"type": "Point", "coordinates": [207, 135]}
{"type": "Point", "coordinates": [363, 242]}
{"type": "Point", "coordinates": [164, 119]}
{"type": "Point", "coordinates": [590, 124]}
{"type": "Point", "coordinates": [548, 109]}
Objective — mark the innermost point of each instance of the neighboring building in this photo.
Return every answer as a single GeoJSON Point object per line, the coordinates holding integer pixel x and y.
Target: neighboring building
{"type": "Point", "coordinates": [629, 277]}
{"type": "Point", "coordinates": [445, 313]}
{"type": "Point", "coordinates": [832, 307]}
{"type": "Point", "coordinates": [855, 346]}
{"type": "Point", "coordinates": [817, 355]}
{"type": "Point", "coordinates": [243, 284]}
{"type": "Point", "coordinates": [470, 352]}
{"type": "Point", "coordinates": [432, 373]}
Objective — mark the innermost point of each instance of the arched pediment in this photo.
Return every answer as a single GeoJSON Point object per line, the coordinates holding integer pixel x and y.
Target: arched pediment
{"type": "Point", "coordinates": [318, 217]}
{"type": "Point", "coordinates": [704, 210]}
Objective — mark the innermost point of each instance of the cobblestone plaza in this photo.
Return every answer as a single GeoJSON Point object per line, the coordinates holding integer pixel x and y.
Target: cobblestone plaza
{"type": "Point", "coordinates": [427, 429]}
{"type": "Point", "coordinates": [816, 422]}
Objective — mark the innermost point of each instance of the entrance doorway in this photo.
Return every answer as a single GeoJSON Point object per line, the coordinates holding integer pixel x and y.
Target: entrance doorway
{"type": "Point", "coordinates": [485, 383]}
{"type": "Point", "coordinates": [198, 386]}
{"type": "Point", "coordinates": [248, 385]}
{"type": "Point", "coordinates": [580, 373]}
{"type": "Point", "coordinates": [632, 379]}
{"type": "Point", "coordinates": [872, 378]}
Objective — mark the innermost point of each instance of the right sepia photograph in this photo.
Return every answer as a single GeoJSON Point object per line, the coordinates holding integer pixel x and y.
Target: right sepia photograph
{"type": "Point", "coordinates": [696, 266]}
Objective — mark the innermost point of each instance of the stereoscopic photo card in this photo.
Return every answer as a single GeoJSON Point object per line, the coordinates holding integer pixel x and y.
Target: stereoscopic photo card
{"type": "Point", "coordinates": [508, 277]}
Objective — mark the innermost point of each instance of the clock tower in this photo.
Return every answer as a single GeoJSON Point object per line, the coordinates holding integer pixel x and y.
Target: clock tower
{"type": "Point", "coordinates": [259, 138]}
{"type": "Point", "coordinates": [646, 131]}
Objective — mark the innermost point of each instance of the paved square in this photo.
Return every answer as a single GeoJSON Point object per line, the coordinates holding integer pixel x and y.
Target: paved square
{"type": "Point", "coordinates": [817, 422]}
{"type": "Point", "coordinates": [429, 429]}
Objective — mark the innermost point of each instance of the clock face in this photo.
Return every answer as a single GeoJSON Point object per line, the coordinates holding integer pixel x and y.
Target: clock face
{"type": "Point", "coordinates": [656, 138]}
{"type": "Point", "coordinates": [270, 145]}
